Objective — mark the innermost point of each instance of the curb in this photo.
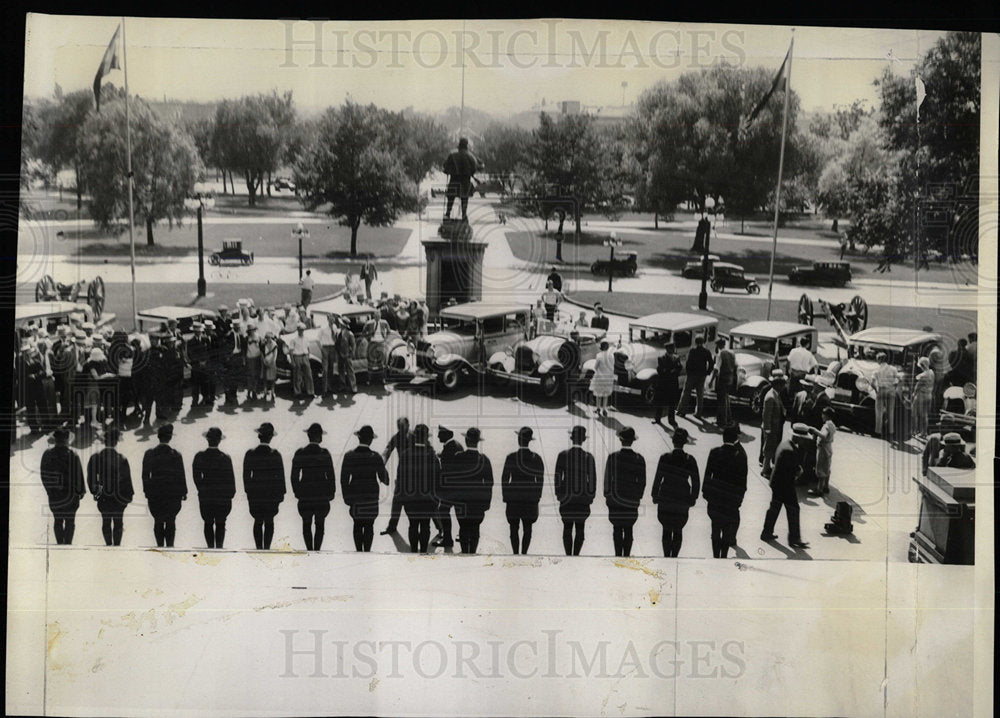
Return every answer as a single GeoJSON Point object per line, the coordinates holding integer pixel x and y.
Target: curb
{"type": "Point", "coordinates": [626, 315]}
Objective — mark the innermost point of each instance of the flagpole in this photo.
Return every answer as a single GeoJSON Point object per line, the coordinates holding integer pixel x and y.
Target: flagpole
{"type": "Point", "coordinates": [781, 166]}
{"type": "Point", "coordinates": [128, 176]}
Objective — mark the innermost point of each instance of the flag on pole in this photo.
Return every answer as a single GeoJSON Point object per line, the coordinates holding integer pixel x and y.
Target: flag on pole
{"type": "Point", "coordinates": [779, 83]}
{"type": "Point", "coordinates": [109, 63]}
{"type": "Point", "coordinates": [921, 94]}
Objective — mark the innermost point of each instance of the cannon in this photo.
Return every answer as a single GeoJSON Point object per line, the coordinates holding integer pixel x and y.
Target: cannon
{"type": "Point", "coordinates": [48, 290]}
{"type": "Point", "coordinates": [847, 318]}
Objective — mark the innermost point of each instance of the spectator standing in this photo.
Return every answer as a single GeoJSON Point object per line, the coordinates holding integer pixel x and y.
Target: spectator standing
{"type": "Point", "coordinates": [600, 319]}
{"type": "Point", "coordinates": [418, 476]}
{"type": "Point", "coordinates": [368, 275]}
{"type": "Point", "coordinates": [473, 492]}
{"type": "Point", "coordinates": [165, 485]}
{"type": "Point", "coordinates": [724, 374]}
{"type": "Point", "coordinates": [109, 479]}
{"type": "Point", "coordinates": [697, 368]}
{"type": "Point", "coordinates": [551, 298]}
{"type": "Point", "coordinates": [556, 279]}
{"type": "Point", "coordinates": [306, 284]}
{"type": "Point", "coordinates": [668, 372]}
{"type": "Point", "coordinates": [886, 385]}
{"type": "Point", "coordinates": [772, 422]}
{"type": "Point", "coordinates": [602, 384]}
{"type": "Point", "coordinates": [360, 473]}
{"type": "Point", "coordinates": [824, 451]}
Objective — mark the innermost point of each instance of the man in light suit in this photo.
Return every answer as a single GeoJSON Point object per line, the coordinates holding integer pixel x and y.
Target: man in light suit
{"type": "Point", "coordinates": [772, 422]}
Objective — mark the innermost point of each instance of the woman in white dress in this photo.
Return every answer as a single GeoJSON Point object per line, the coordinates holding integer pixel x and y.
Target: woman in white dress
{"type": "Point", "coordinates": [603, 382]}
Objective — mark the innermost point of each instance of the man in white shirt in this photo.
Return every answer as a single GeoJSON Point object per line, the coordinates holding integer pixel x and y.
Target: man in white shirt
{"type": "Point", "coordinates": [886, 384]}
{"type": "Point", "coordinates": [328, 352]}
{"type": "Point", "coordinates": [307, 283]}
{"type": "Point", "coordinates": [800, 362]}
{"type": "Point", "coordinates": [298, 352]}
{"type": "Point", "coordinates": [551, 298]}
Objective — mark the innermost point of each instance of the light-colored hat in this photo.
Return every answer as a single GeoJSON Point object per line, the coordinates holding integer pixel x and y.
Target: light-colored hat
{"type": "Point", "coordinates": [97, 355]}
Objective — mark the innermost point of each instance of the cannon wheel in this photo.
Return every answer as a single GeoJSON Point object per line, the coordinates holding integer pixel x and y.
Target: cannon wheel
{"type": "Point", "coordinates": [95, 296]}
{"type": "Point", "coordinates": [45, 289]}
{"type": "Point", "coordinates": [805, 310]}
{"type": "Point", "coordinates": [860, 308]}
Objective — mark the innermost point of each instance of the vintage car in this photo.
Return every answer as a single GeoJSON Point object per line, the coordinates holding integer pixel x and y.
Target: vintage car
{"type": "Point", "coordinates": [854, 397]}
{"type": "Point", "coordinates": [625, 264]}
{"type": "Point", "coordinates": [635, 361]}
{"type": "Point", "coordinates": [231, 252]}
{"type": "Point", "coordinates": [692, 269]}
{"type": "Point", "coordinates": [155, 319]}
{"type": "Point", "coordinates": [835, 274]}
{"type": "Point", "coordinates": [759, 348]}
{"type": "Point", "coordinates": [551, 359]}
{"type": "Point", "coordinates": [369, 355]}
{"type": "Point", "coordinates": [49, 315]}
{"type": "Point", "coordinates": [730, 276]}
{"type": "Point", "coordinates": [466, 336]}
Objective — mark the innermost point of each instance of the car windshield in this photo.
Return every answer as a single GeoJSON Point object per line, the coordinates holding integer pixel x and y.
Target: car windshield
{"type": "Point", "coordinates": [656, 337]}
{"type": "Point", "coordinates": [894, 355]}
{"type": "Point", "coordinates": [459, 326]}
{"type": "Point", "coordinates": [748, 343]}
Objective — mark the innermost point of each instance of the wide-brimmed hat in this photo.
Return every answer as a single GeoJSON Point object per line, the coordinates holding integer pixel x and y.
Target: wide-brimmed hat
{"type": "Point", "coordinates": [267, 428]}
{"type": "Point", "coordinates": [97, 355]}
{"type": "Point", "coordinates": [445, 432]}
{"type": "Point", "coordinates": [952, 439]}
{"type": "Point", "coordinates": [61, 434]}
{"type": "Point", "coordinates": [578, 433]}
{"type": "Point", "coordinates": [680, 437]}
{"type": "Point", "coordinates": [365, 433]}
{"type": "Point", "coordinates": [473, 435]}
{"type": "Point", "coordinates": [626, 434]}
{"type": "Point", "coordinates": [800, 429]}
{"type": "Point", "coordinates": [525, 433]}
{"type": "Point", "coordinates": [197, 326]}
{"type": "Point", "coordinates": [315, 429]}
{"type": "Point", "coordinates": [165, 432]}
{"type": "Point", "coordinates": [777, 375]}
{"type": "Point", "coordinates": [214, 434]}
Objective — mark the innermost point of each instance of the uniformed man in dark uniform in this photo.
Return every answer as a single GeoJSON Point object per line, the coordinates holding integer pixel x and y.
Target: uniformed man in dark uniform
{"type": "Point", "coordinates": [668, 390]}
{"type": "Point", "coordinates": [624, 484]}
{"type": "Point", "coordinates": [212, 471]}
{"type": "Point", "coordinates": [724, 487]}
{"type": "Point", "coordinates": [450, 448]}
{"type": "Point", "coordinates": [164, 484]}
{"type": "Point", "coordinates": [62, 477]}
{"type": "Point", "coordinates": [264, 483]}
{"type": "Point", "coordinates": [399, 442]}
{"type": "Point", "coordinates": [675, 491]}
{"type": "Point", "coordinates": [418, 478]}
{"type": "Point", "coordinates": [198, 349]}
{"type": "Point", "coordinates": [109, 479]}
{"type": "Point", "coordinates": [472, 490]}
{"type": "Point", "coordinates": [360, 474]}
{"type": "Point", "coordinates": [521, 487]}
{"type": "Point", "coordinates": [787, 464]}
{"type": "Point", "coordinates": [576, 487]}
{"type": "Point", "coordinates": [314, 485]}
{"type": "Point", "coordinates": [157, 363]}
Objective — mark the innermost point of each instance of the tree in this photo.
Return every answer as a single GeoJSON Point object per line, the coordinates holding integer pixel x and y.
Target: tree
{"type": "Point", "coordinates": [422, 143]}
{"type": "Point", "coordinates": [165, 166]}
{"type": "Point", "coordinates": [62, 122]}
{"type": "Point", "coordinates": [351, 167]}
{"type": "Point", "coordinates": [503, 151]}
{"type": "Point", "coordinates": [858, 158]}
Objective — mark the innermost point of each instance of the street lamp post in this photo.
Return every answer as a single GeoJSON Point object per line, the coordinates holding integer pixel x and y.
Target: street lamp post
{"type": "Point", "coordinates": [703, 294]}
{"type": "Point", "coordinates": [299, 232]}
{"type": "Point", "coordinates": [201, 252]}
{"type": "Point", "coordinates": [612, 242]}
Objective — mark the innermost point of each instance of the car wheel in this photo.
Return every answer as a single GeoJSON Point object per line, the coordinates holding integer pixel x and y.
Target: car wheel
{"type": "Point", "coordinates": [449, 378]}
{"type": "Point", "coordinates": [648, 395]}
{"type": "Point", "coordinates": [551, 384]}
{"type": "Point", "coordinates": [757, 401]}
{"type": "Point", "coordinates": [595, 268]}
{"type": "Point", "coordinates": [753, 289]}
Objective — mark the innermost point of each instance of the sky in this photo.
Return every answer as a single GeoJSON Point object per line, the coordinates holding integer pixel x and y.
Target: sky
{"type": "Point", "coordinates": [502, 67]}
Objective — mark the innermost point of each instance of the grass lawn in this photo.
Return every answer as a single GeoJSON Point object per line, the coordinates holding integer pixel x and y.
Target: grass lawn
{"type": "Point", "coordinates": [736, 310]}
{"type": "Point", "coordinates": [118, 296]}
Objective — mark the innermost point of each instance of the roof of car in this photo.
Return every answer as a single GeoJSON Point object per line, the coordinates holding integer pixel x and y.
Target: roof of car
{"type": "Point", "coordinates": [727, 265]}
{"type": "Point", "coordinates": [35, 310]}
{"type": "Point", "coordinates": [893, 336]}
{"type": "Point", "coordinates": [711, 258]}
{"type": "Point", "coordinates": [673, 321]}
{"type": "Point", "coordinates": [770, 329]}
{"type": "Point", "coordinates": [170, 312]}
{"type": "Point", "coordinates": [339, 305]}
{"type": "Point", "coordinates": [479, 310]}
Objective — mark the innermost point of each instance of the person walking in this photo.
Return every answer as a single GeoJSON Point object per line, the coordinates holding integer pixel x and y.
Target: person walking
{"type": "Point", "coordinates": [473, 490]}
{"type": "Point", "coordinates": [109, 479]}
{"type": "Point", "coordinates": [212, 472]}
{"type": "Point", "coordinates": [885, 382]}
{"type": "Point", "coordinates": [576, 487]}
{"type": "Point", "coordinates": [824, 452]}
{"type": "Point", "coordinates": [556, 279]}
{"type": "Point", "coordinates": [306, 284]}
{"type": "Point", "coordinates": [399, 442]}
{"type": "Point", "coordinates": [328, 352]}
{"type": "Point", "coordinates": [602, 384]}
{"type": "Point", "coordinates": [624, 485]}
{"type": "Point", "coordinates": [418, 477]}
{"type": "Point", "coordinates": [697, 368]}
{"type": "Point", "coordinates": [264, 484]}
{"type": "Point", "coordinates": [521, 487]}
{"type": "Point", "coordinates": [772, 421]}
{"type": "Point", "coordinates": [922, 397]}
{"type": "Point", "coordinates": [346, 345]}
{"type": "Point", "coordinates": [63, 480]}
{"type": "Point", "coordinates": [675, 491]}
{"type": "Point", "coordinates": [551, 298]}
{"type": "Point", "coordinates": [450, 449]}
{"type": "Point", "coordinates": [368, 275]}
{"type": "Point", "coordinates": [164, 484]}
{"type": "Point", "coordinates": [360, 473]}
{"type": "Point", "coordinates": [787, 461]}
{"type": "Point", "coordinates": [724, 375]}
{"type": "Point", "coordinates": [668, 372]}
{"type": "Point", "coordinates": [314, 485]}
{"type": "Point", "coordinates": [724, 487]}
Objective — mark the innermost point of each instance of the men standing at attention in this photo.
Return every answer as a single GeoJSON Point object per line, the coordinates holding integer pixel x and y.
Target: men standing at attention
{"type": "Point", "coordinates": [724, 487]}
{"type": "Point", "coordinates": [418, 477]}
{"type": "Point", "coordinates": [450, 449]}
{"type": "Point", "coordinates": [668, 372]}
{"type": "Point", "coordinates": [697, 369]}
{"type": "Point", "coordinates": [306, 284]}
{"type": "Point", "coordinates": [314, 485]}
{"type": "Point", "coordinates": [360, 474]}
{"type": "Point", "coordinates": [800, 363]}
{"type": "Point", "coordinates": [473, 491]}
{"type": "Point", "coordinates": [212, 471]}
{"type": "Point", "coordinates": [724, 374]}
{"type": "Point", "coordinates": [624, 485]}
{"type": "Point", "coordinates": [576, 488]}
{"type": "Point", "coordinates": [675, 490]}
{"type": "Point", "coordinates": [165, 485]}
{"type": "Point", "coordinates": [264, 483]}
{"type": "Point", "coordinates": [460, 166]}
{"type": "Point", "coordinates": [521, 486]}
{"type": "Point", "coordinates": [772, 421]}
{"type": "Point", "coordinates": [62, 477]}
{"type": "Point", "coordinates": [109, 479]}
{"type": "Point", "coordinates": [787, 461]}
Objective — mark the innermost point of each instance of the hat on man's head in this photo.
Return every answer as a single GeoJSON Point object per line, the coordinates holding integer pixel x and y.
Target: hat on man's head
{"type": "Point", "coordinates": [626, 434]}
{"type": "Point", "coordinates": [79, 334]}
{"type": "Point", "coordinates": [420, 433]}
{"type": "Point", "coordinates": [165, 432]}
{"type": "Point", "coordinates": [525, 434]}
{"type": "Point", "coordinates": [731, 434]}
{"type": "Point", "coordinates": [800, 429]}
{"type": "Point", "coordinates": [223, 308]}
{"type": "Point", "coordinates": [214, 434]}
{"type": "Point", "coordinates": [88, 325]}
{"type": "Point", "coordinates": [777, 375]}
{"type": "Point", "coordinates": [265, 429]}
{"type": "Point", "coordinates": [952, 439]}
{"type": "Point", "coordinates": [111, 435]}
{"type": "Point", "coordinates": [445, 432]}
{"type": "Point", "coordinates": [699, 339]}
{"type": "Point", "coordinates": [578, 433]}
{"type": "Point", "coordinates": [473, 435]}
{"type": "Point", "coordinates": [681, 437]}
{"type": "Point", "coordinates": [365, 434]}
{"type": "Point", "coordinates": [197, 326]}
{"type": "Point", "coordinates": [61, 434]}
{"type": "Point", "coordinates": [315, 429]}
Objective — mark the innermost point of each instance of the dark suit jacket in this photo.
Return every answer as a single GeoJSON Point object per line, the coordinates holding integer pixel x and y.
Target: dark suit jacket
{"type": "Point", "coordinates": [772, 418]}
{"type": "Point", "coordinates": [624, 478]}
{"type": "Point", "coordinates": [313, 477]}
{"type": "Point", "coordinates": [62, 475]}
{"type": "Point", "coordinates": [264, 474]}
{"type": "Point", "coordinates": [600, 322]}
{"type": "Point", "coordinates": [212, 471]}
{"type": "Point", "coordinates": [787, 462]}
{"type": "Point", "coordinates": [725, 477]}
{"type": "Point", "coordinates": [522, 477]}
{"type": "Point", "coordinates": [449, 452]}
{"type": "Point", "coordinates": [575, 476]}
{"type": "Point", "coordinates": [360, 473]}
{"type": "Point", "coordinates": [418, 476]}
{"type": "Point", "coordinates": [677, 480]}
{"type": "Point", "coordinates": [163, 474]}
{"type": "Point", "coordinates": [109, 476]}
{"type": "Point", "coordinates": [473, 484]}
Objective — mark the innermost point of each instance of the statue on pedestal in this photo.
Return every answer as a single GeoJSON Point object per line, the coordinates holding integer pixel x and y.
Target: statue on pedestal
{"type": "Point", "coordinates": [460, 166]}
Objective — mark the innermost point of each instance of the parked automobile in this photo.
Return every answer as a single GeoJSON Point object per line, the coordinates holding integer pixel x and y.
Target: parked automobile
{"type": "Point", "coordinates": [466, 336]}
{"type": "Point", "coordinates": [836, 274]}
{"type": "Point", "coordinates": [49, 315]}
{"type": "Point", "coordinates": [551, 359]}
{"type": "Point", "coordinates": [692, 269]}
{"type": "Point", "coordinates": [730, 276]}
{"type": "Point", "coordinates": [854, 396]}
{"type": "Point", "coordinates": [156, 318]}
{"type": "Point", "coordinates": [283, 183]}
{"type": "Point", "coordinates": [625, 264]}
{"type": "Point", "coordinates": [635, 360]}
{"type": "Point", "coordinates": [231, 252]}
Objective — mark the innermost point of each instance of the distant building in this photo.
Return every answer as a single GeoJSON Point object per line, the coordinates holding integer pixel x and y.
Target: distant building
{"type": "Point", "coordinates": [604, 115]}
{"type": "Point", "coordinates": [183, 112]}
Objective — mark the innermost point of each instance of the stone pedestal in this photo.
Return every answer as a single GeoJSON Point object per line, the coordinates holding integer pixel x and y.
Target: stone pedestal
{"type": "Point", "coordinates": [454, 271]}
